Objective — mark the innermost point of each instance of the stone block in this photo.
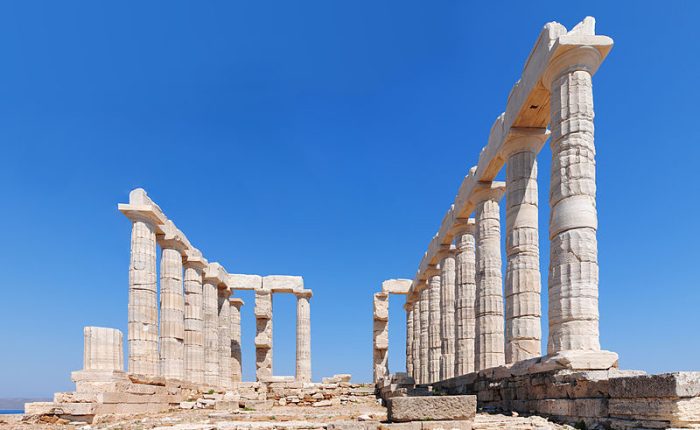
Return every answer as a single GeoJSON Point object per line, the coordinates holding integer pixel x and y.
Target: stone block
{"type": "Point", "coordinates": [283, 284]}
{"type": "Point", "coordinates": [244, 282]}
{"type": "Point", "coordinates": [396, 286]}
{"type": "Point", "coordinates": [431, 408]}
{"type": "Point", "coordinates": [678, 384]}
{"type": "Point", "coordinates": [263, 305]}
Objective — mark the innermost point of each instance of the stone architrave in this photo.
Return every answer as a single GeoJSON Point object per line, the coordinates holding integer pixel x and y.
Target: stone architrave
{"type": "Point", "coordinates": [408, 307]}
{"type": "Point", "coordinates": [573, 261]}
{"type": "Point", "coordinates": [172, 305]}
{"type": "Point", "coordinates": [143, 296]}
{"type": "Point", "coordinates": [263, 337]}
{"type": "Point", "coordinates": [381, 335]}
{"type": "Point", "coordinates": [424, 334]}
{"type": "Point", "coordinates": [415, 349]}
{"type": "Point", "coordinates": [434, 341]}
{"type": "Point", "coordinates": [303, 365]}
{"type": "Point", "coordinates": [224, 330]}
{"type": "Point", "coordinates": [447, 315]}
{"type": "Point", "coordinates": [489, 344]}
{"type": "Point", "coordinates": [522, 286]}
{"type": "Point", "coordinates": [210, 313]}
{"type": "Point", "coordinates": [465, 298]}
{"type": "Point", "coordinates": [194, 318]}
{"type": "Point", "coordinates": [103, 349]}
{"type": "Point", "coordinates": [236, 358]}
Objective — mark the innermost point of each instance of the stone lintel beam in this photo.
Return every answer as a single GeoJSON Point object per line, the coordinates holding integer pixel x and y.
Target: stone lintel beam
{"type": "Point", "coordinates": [173, 238]}
{"type": "Point", "coordinates": [396, 286]}
{"type": "Point", "coordinates": [283, 283]}
{"type": "Point", "coordinates": [194, 258]}
{"type": "Point", "coordinates": [142, 208]}
{"type": "Point", "coordinates": [527, 107]}
{"type": "Point", "coordinates": [236, 301]}
{"type": "Point", "coordinates": [238, 281]}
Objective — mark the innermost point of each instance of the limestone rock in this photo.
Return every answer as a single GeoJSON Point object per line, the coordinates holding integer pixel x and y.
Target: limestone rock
{"type": "Point", "coordinates": [431, 408]}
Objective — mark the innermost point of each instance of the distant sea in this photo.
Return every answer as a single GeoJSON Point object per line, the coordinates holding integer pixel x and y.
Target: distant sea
{"type": "Point", "coordinates": [11, 411]}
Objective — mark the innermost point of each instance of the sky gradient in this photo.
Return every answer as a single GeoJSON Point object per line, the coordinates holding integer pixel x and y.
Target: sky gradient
{"type": "Point", "coordinates": [322, 139]}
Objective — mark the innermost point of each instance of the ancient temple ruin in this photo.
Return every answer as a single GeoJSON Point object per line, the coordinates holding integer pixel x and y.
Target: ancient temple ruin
{"type": "Point", "coordinates": [473, 336]}
{"type": "Point", "coordinates": [468, 330]}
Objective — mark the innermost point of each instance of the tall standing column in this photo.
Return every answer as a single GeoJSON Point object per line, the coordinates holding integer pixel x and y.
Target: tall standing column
{"type": "Point", "coordinates": [408, 307]}
{"type": "Point", "coordinates": [424, 334]}
{"type": "Point", "coordinates": [447, 315]}
{"type": "Point", "coordinates": [211, 327]}
{"type": "Point", "coordinates": [523, 308]}
{"type": "Point", "coordinates": [224, 329]}
{"type": "Point", "coordinates": [465, 298]}
{"type": "Point", "coordinates": [573, 261]}
{"type": "Point", "coordinates": [172, 306]}
{"type": "Point", "coordinates": [381, 335]}
{"type": "Point", "coordinates": [489, 346]}
{"type": "Point", "coordinates": [434, 341]}
{"type": "Point", "coordinates": [303, 372]}
{"type": "Point", "coordinates": [236, 359]}
{"type": "Point", "coordinates": [415, 350]}
{"type": "Point", "coordinates": [194, 320]}
{"type": "Point", "coordinates": [263, 337]}
{"type": "Point", "coordinates": [143, 299]}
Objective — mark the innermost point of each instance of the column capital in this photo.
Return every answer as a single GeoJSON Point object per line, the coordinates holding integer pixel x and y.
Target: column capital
{"type": "Point", "coordinates": [194, 259]}
{"type": "Point", "coordinates": [172, 238]}
{"type": "Point", "coordinates": [304, 294]}
{"type": "Point", "coordinates": [142, 208]}
{"type": "Point", "coordinates": [214, 273]}
{"type": "Point", "coordinates": [522, 139]}
{"type": "Point", "coordinates": [444, 252]}
{"type": "Point", "coordinates": [237, 302]}
{"type": "Point", "coordinates": [568, 58]}
{"type": "Point", "coordinates": [488, 191]}
{"type": "Point", "coordinates": [430, 272]}
{"type": "Point", "coordinates": [462, 227]}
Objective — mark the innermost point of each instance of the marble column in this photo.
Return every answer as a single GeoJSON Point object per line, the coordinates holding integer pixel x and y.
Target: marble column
{"type": "Point", "coordinates": [465, 298]}
{"type": "Point", "coordinates": [381, 335]}
{"type": "Point", "coordinates": [103, 349]}
{"type": "Point", "coordinates": [415, 349]}
{"type": "Point", "coordinates": [194, 321]}
{"type": "Point", "coordinates": [447, 315]}
{"type": "Point", "coordinates": [573, 222]}
{"type": "Point", "coordinates": [408, 307]}
{"type": "Point", "coordinates": [211, 330]}
{"type": "Point", "coordinates": [236, 359]}
{"type": "Point", "coordinates": [224, 334]}
{"type": "Point", "coordinates": [172, 308]}
{"type": "Point", "coordinates": [522, 286]}
{"type": "Point", "coordinates": [143, 300]}
{"type": "Point", "coordinates": [434, 341]}
{"type": "Point", "coordinates": [263, 337]}
{"type": "Point", "coordinates": [303, 370]}
{"type": "Point", "coordinates": [424, 334]}
{"type": "Point", "coordinates": [489, 345]}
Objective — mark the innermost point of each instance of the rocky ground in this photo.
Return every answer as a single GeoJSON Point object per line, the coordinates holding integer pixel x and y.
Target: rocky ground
{"type": "Point", "coordinates": [353, 416]}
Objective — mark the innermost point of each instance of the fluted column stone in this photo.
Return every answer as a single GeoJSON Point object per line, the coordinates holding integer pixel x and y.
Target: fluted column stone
{"type": "Point", "coordinates": [415, 349]}
{"type": "Point", "coordinates": [447, 315]}
{"type": "Point", "coordinates": [103, 349]}
{"type": "Point", "coordinates": [465, 298]}
{"type": "Point", "coordinates": [522, 286]}
{"type": "Point", "coordinates": [573, 222]}
{"type": "Point", "coordinates": [236, 358]}
{"type": "Point", "coordinates": [143, 300]}
{"type": "Point", "coordinates": [408, 307]}
{"type": "Point", "coordinates": [424, 334]}
{"type": "Point", "coordinates": [172, 307]}
{"type": "Point", "coordinates": [434, 341]}
{"type": "Point", "coordinates": [211, 329]}
{"type": "Point", "coordinates": [489, 348]}
{"type": "Point", "coordinates": [381, 335]}
{"type": "Point", "coordinates": [194, 320]}
{"type": "Point", "coordinates": [303, 365]}
{"type": "Point", "coordinates": [224, 331]}
{"type": "Point", "coordinates": [263, 337]}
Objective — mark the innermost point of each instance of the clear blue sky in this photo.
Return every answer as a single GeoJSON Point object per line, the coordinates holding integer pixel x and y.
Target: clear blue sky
{"type": "Point", "coordinates": [324, 139]}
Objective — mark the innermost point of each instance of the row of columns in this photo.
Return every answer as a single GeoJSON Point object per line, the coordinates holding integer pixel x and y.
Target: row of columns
{"type": "Point", "coordinates": [459, 320]}
{"type": "Point", "coordinates": [191, 331]}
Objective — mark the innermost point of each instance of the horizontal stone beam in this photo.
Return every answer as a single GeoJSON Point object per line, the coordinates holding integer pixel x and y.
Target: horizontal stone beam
{"type": "Point", "coordinates": [283, 284]}
{"type": "Point", "coordinates": [237, 281]}
{"type": "Point", "coordinates": [396, 286]}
